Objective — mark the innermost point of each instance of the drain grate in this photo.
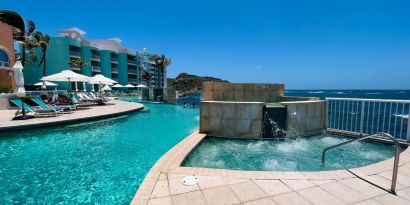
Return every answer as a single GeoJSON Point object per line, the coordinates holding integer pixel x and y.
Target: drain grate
{"type": "Point", "coordinates": [190, 180]}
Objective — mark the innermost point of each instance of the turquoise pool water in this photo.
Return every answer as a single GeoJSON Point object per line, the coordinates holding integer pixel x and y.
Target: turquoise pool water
{"type": "Point", "coordinates": [101, 162]}
{"type": "Point", "coordinates": [303, 154]}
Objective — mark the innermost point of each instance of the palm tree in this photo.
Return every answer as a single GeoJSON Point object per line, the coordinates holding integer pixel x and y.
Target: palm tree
{"type": "Point", "coordinates": [146, 77]}
{"type": "Point", "coordinates": [79, 62]}
{"type": "Point", "coordinates": [161, 61]}
{"type": "Point", "coordinates": [41, 41]}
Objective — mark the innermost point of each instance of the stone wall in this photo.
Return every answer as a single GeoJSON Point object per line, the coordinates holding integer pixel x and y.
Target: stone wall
{"type": "Point", "coordinates": [242, 92]}
{"type": "Point", "coordinates": [171, 97]}
{"type": "Point", "coordinates": [231, 119]}
{"type": "Point", "coordinates": [294, 98]}
{"type": "Point", "coordinates": [305, 117]}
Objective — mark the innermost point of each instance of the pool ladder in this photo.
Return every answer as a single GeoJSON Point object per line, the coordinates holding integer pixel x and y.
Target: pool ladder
{"type": "Point", "coordinates": [374, 136]}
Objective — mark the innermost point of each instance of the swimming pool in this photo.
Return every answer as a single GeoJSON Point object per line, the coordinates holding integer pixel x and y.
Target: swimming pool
{"type": "Point", "coordinates": [100, 162]}
{"type": "Point", "coordinates": [301, 154]}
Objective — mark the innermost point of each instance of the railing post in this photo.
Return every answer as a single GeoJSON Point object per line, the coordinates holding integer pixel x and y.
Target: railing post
{"type": "Point", "coordinates": [408, 126]}
{"type": "Point", "coordinates": [362, 117]}
{"type": "Point", "coordinates": [327, 113]}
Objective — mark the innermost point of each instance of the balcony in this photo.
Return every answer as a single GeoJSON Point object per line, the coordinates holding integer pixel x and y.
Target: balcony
{"type": "Point", "coordinates": [114, 60]}
{"type": "Point", "coordinates": [131, 71]}
{"type": "Point", "coordinates": [75, 54]}
{"type": "Point", "coordinates": [96, 69]}
{"type": "Point", "coordinates": [132, 81]}
{"type": "Point", "coordinates": [74, 67]}
{"type": "Point", "coordinates": [95, 57]}
{"type": "Point", "coordinates": [114, 70]}
{"type": "Point", "coordinates": [132, 62]}
{"type": "Point", "coordinates": [115, 78]}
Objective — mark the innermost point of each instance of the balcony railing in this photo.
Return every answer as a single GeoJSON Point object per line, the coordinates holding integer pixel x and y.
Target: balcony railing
{"type": "Point", "coordinates": [95, 57]}
{"type": "Point", "coordinates": [369, 116]}
{"type": "Point", "coordinates": [75, 53]}
{"type": "Point", "coordinates": [114, 70]}
{"type": "Point", "coordinates": [4, 64]}
{"type": "Point", "coordinates": [114, 60]}
{"type": "Point", "coordinates": [95, 68]}
{"type": "Point", "coordinates": [130, 71]}
{"type": "Point", "coordinates": [74, 67]}
{"type": "Point", "coordinates": [132, 62]}
{"type": "Point", "coordinates": [133, 81]}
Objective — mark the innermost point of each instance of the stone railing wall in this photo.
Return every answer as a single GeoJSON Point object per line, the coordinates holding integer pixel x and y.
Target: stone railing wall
{"type": "Point", "coordinates": [242, 92]}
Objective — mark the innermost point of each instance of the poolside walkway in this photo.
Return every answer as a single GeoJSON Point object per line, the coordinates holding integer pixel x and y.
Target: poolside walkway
{"type": "Point", "coordinates": [163, 184]}
{"type": "Point", "coordinates": [113, 109]}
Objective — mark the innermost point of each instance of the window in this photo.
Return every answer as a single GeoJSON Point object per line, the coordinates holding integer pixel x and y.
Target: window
{"type": "Point", "coordinates": [4, 58]}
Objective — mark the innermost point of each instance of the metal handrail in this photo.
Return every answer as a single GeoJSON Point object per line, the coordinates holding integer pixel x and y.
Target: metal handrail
{"type": "Point", "coordinates": [396, 156]}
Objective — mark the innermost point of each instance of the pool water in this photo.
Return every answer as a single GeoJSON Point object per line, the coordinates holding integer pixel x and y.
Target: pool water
{"type": "Point", "coordinates": [302, 154]}
{"type": "Point", "coordinates": [100, 162]}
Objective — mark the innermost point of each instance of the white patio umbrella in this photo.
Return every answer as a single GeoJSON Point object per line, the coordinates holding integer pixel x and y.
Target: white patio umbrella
{"type": "Point", "coordinates": [100, 79]}
{"type": "Point", "coordinates": [47, 83]}
{"type": "Point", "coordinates": [66, 76]}
{"type": "Point", "coordinates": [118, 86]}
{"type": "Point", "coordinates": [141, 86]}
{"type": "Point", "coordinates": [129, 86]}
{"type": "Point", "coordinates": [106, 88]}
{"type": "Point", "coordinates": [18, 75]}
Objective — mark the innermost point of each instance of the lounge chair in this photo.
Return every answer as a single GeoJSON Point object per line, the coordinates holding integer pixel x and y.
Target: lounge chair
{"type": "Point", "coordinates": [85, 97]}
{"type": "Point", "coordinates": [60, 108]}
{"type": "Point", "coordinates": [38, 112]}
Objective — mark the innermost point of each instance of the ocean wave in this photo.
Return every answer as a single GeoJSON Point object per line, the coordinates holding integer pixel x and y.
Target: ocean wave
{"type": "Point", "coordinates": [316, 92]}
{"type": "Point", "coordinates": [373, 93]}
{"type": "Point", "coordinates": [339, 92]}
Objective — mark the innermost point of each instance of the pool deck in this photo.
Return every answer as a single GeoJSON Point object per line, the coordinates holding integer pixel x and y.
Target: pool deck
{"type": "Point", "coordinates": [364, 185]}
{"type": "Point", "coordinates": [113, 108]}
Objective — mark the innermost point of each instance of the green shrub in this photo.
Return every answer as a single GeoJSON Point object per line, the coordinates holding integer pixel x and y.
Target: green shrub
{"type": "Point", "coordinates": [5, 88]}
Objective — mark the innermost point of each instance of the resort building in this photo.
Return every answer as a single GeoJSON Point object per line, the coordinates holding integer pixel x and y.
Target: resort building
{"type": "Point", "coordinates": [106, 57]}
{"type": "Point", "coordinates": [6, 57]}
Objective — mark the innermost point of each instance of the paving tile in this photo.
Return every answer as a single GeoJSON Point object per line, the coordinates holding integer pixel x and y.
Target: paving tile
{"type": "Point", "coordinates": [291, 198]}
{"type": "Point", "coordinates": [174, 176]}
{"type": "Point", "coordinates": [273, 187]}
{"type": "Point", "coordinates": [160, 201]}
{"type": "Point", "coordinates": [320, 182]}
{"type": "Point", "coordinates": [176, 186]}
{"type": "Point", "coordinates": [247, 191]}
{"type": "Point", "coordinates": [161, 189]}
{"type": "Point", "coordinates": [402, 179]}
{"type": "Point", "coordinates": [391, 199]}
{"type": "Point", "coordinates": [162, 176]}
{"type": "Point", "coordinates": [298, 184]}
{"type": "Point", "coordinates": [404, 193]}
{"type": "Point", "coordinates": [210, 181]}
{"type": "Point", "coordinates": [368, 202]}
{"type": "Point", "coordinates": [189, 198]}
{"type": "Point", "coordinates": [234, 180]}
{"type": "Point", "coordinates": [264, 201]}
{"type": "Point", "coordinates": [344, 192]}
{"type": "Point", "coordinates": [319, 196]}
{"type": "Point", "coordinates": [363, 187]}
{"type": "Point", "coordinates": [220, 195]}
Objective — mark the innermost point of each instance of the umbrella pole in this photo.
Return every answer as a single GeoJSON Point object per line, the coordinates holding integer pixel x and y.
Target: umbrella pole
{"type": "Point", "coordinates": [69, 91]}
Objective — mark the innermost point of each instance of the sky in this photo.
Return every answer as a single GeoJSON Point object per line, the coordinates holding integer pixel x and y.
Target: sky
{"type": "Point", "coordinates": [345, 44]}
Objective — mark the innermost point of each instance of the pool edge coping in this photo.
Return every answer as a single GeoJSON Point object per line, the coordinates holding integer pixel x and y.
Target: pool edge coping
{"type": "Point", "coordinates": [170, 163]}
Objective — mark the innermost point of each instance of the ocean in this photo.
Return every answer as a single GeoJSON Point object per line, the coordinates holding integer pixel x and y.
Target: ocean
{"type": "Point", "coordinates": [368, 94]}
{"type": "Point", "coordinates": [322, 94]}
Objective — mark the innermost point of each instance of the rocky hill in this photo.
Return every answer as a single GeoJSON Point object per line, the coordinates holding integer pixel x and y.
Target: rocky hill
{"type": "Point", "coordinates": [185, 82]}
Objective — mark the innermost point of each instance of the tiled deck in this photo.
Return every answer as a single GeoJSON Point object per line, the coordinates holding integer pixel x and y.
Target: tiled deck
{"type": "Point", "coordinates": [163, 185]}
{"type": "Point", "coordinates": [114, 108]}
